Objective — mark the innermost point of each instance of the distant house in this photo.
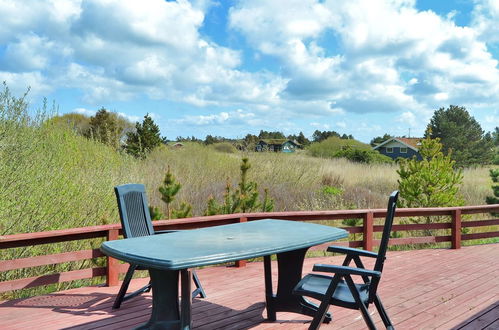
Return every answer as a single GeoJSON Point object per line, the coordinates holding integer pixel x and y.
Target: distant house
{"type": "Point", "coordinates": [177, 145]}
{"type": "Point", "coordinates": [400, 147]}
{"type": "Point", "coordinates": [277, 145]}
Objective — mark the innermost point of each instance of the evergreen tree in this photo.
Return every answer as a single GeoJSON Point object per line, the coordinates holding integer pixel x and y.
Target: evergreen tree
{"type": "Point", "coordinates": [145, 138]}
{"type": "Point", "coordinates": [431, 182]}
{"type": "Point", "coordinates": [168, 191]}
{"type": "Point", "coordinates": [319, 136]}
{"type": "Point", "coordinates": [271, 135]}
{"type": "Point", "coordinates": [461, 133]}
{"type": "Point", "coordinates": [104, 128]}
{"type": "Point", "coordinates": [380, 139]}
{"type": "Point", "coordinates": [494, 174]}
{"type": "Point", "coordinates": [244, 199]}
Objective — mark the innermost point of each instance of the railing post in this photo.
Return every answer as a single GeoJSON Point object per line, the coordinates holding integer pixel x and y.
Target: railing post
{"type": "Point", "coordinates": [112, 269]}
{"type": "Point", "coordinates": [241, 263]}
{"type": "Point", "coordinates": [368, 231]}
{"type": "Point", "coordinates": [456, 229]}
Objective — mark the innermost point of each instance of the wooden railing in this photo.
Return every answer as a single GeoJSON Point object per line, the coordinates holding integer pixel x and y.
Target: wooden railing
{"type": "Point", "coordinates": [112, 232]}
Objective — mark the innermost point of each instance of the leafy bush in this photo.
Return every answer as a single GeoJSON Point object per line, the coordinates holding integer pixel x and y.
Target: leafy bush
{"type": "Point", "coordinates": [353, 150]}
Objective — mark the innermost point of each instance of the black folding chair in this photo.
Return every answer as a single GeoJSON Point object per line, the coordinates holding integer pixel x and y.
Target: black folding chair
{"type": "Point", "coordinates": [136, 222]}
{"type": "Point", "coordinates": [340, 289]}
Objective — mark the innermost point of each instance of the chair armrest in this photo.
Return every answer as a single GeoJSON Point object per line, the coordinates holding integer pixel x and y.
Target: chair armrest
{"type": "Point", "coordinates": [351, 251]}
{"type": "Point", "coordinates": [164, 231]}
{"type": "Point", "coordinates": [345, 270]}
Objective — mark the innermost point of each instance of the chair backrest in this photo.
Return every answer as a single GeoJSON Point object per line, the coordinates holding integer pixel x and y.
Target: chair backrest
{"type": "Point", "coordinates": [383, 246]}
{"type": "Point", "coordinates": [134, 212]}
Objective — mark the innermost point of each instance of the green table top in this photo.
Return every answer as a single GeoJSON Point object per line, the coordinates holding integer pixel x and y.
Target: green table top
{"type": "Point", "coordinates": [213, 245]}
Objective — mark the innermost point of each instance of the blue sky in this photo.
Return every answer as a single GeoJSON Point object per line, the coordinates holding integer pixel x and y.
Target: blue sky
{"type": "Point", "coordinates": [228, 68]}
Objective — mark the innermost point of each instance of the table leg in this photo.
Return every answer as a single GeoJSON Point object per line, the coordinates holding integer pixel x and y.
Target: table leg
{"type": "Point", "coordinates": [186, 302]}
{"type": "Point", "coordinates": [289, 265]}
{"type": "Point", "coordinates": [165, 309]}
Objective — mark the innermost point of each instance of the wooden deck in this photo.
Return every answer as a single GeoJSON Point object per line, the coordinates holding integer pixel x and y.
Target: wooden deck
{"type": "Point", "coordinates": [422, 289]}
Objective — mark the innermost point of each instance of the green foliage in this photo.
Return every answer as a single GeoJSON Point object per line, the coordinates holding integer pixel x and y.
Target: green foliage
{"type": "Point", "coordinates": [462, 134]}
{"type": "Point", "coordinates": [494, 175]}
{"type": "Point", "coordinates": [155, 213]}
{"type": "Point", "coordinates": [495, 136]}
{"type": "Point", "coordinates": [431, 182]}
{"type": "Point", "coordinates": [319, 136]}
{"type": "Point", "coordinates": [300, 138]}
{"type": "Point", "coordinates": [52, 178]}
{"type": "Point", "coordinates": [362, 156]}
{"type": "Point", "coordinates": [106, 127]}
{"type": "Point", "coordinates": [270, 135]}
{"type": "Point", "coordinates": [331, 191]}
{"type": "Point", "coordinates": [145, 138]}
{"type": "Point", "coordinates": [245, 198]}
{"type": "Point", "coordinates": [380, 139]}
{"type": "Point", "coordinates": [183, 211]}
{"type": "Point", "coordinates": [267, 203]}
{"type": "Point", "coordinates": [168, 191]}
{"type": "Point", "coordinates": [77, 122]}
{"type": "Point", "coordinates": [336, 147]}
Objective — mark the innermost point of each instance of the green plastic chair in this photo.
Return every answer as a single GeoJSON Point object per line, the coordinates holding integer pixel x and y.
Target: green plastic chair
{"type": "Point", "coordinates": [136, 222]}
{"type": "Point", "coordinates": [340, 289]}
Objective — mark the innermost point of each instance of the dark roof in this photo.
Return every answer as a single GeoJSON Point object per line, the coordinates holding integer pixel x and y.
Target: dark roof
{"type": "Point", "coordinates": [278, 141]}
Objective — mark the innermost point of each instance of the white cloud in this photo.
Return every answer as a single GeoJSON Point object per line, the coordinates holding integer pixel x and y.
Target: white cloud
{"type": "Point", "coordinates": [379, 45]}
{"type": "Point", "coordinates": [86, 112]}
{"type": "Point", "coordinates": [320, 126]}
{"type": "Point", "coordinates": [341, 124]}
{"type": "Point", "coordinates": [237, 117]}
{"type": "Point", "coordinates": [485, 17]}
{"type": "Point", "coordinates": [333, 57]}
{"type": "Point", "coordinates": [151, 48]}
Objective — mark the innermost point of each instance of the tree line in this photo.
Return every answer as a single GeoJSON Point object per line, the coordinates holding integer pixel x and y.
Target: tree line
{"type": "Point", "coordinates": [461, 135]}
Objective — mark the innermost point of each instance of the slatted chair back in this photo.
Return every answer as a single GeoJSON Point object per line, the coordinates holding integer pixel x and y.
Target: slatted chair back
{"type": "Point", "coordinates": [380, 260]}
{"type": "Point", "coordinates": [133, 209]}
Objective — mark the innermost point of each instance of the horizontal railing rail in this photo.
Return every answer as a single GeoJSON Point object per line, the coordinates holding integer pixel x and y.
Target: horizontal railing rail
{"type": "Point", "coordinates": [113, 268]}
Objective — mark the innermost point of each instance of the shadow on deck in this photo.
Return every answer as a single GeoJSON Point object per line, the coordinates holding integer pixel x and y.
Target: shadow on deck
{"type": "Point", "coordinates": [422, 289]}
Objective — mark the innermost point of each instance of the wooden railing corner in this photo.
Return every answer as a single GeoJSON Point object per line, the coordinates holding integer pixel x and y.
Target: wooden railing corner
{"type": "Point", "coordinates": [112, 265]}
{"type": "Point", "coordinates": [456, 229]}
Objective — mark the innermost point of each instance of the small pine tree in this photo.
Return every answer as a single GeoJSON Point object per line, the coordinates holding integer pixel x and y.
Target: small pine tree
{"type": "Point", "coordinates": [184, 211]}
{"type": "Point", "coordinates": [168, 191]}
{"type": "Point", "coordinates": [155, 213]}
{"type": "Point", "coordinates": [268, 203]}
{"type": "Point", "coordinates": [494, 174]}
{"type": "Point", "coordinates": [244, 199]}
{"type": "Point", "coordinates": [247, 194]}
{"type": "Point", "coordinates": [431, 182]}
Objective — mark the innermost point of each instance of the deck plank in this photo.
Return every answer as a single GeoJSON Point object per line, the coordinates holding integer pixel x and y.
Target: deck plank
{"type": "Point", "coordinates": [421, 289]}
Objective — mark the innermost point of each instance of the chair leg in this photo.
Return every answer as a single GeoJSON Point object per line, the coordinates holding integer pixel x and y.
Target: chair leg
{"type": "Point", "coordinates": [360, 304]}
{"type": "Point", "coordinates": [124, 286]}
{"type": "Point", "coordinates": [323, 307]}
{"type": "Point", "coordinates": [382, 312]}
{"type": "Point", "coordinates": [199, 288]}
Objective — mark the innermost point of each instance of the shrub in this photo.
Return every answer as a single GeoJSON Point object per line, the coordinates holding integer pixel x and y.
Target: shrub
{"type": "Point", "coordinates": [353, 150]}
